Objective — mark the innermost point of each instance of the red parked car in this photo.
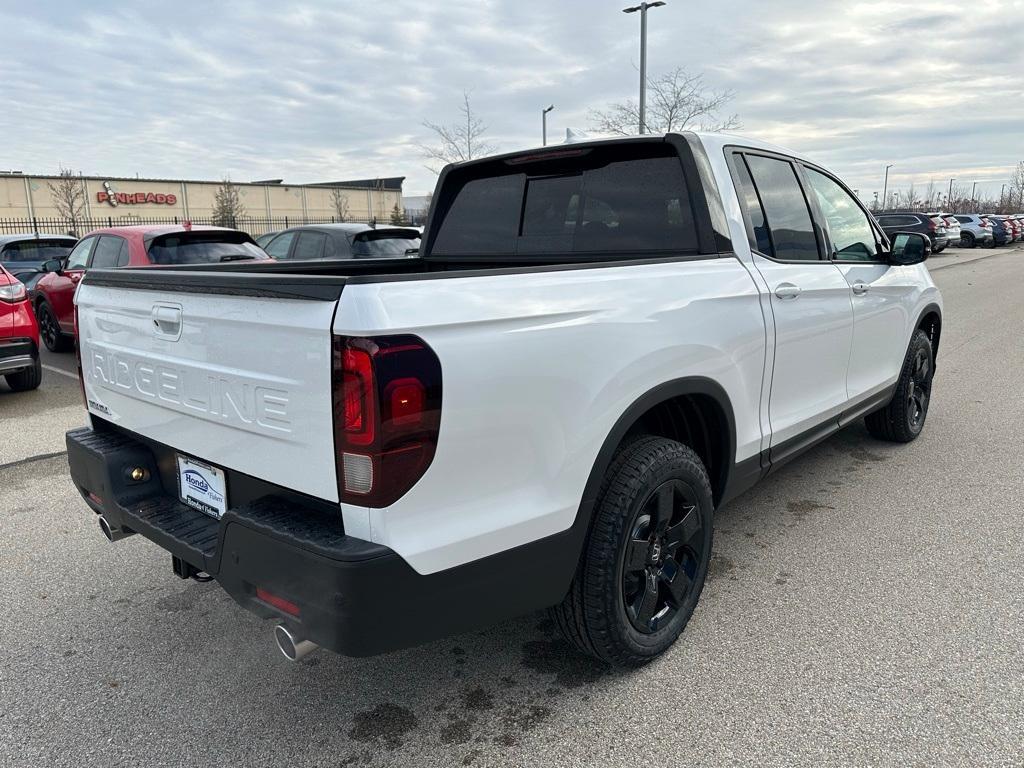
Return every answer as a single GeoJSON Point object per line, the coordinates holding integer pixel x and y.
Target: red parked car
{"type": "Point", "coordinates": [132, 246]}
{"type": "Point", "coordinates": [19, 336]}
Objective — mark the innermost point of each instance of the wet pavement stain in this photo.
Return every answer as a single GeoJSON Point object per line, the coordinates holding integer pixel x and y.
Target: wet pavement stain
{"type": "Point", "coordinates": [385, 724]}
{"type": "Point", "coordinates": [520, 720]}
{"type": "Point", "coordinates": [720, 567]}
{"type": "Point", "coordinates": [457, 731]}
{"type": "Point", "coordinates": [478, 699]}
{"type": "Point", "coordinates": [803, 507]}
{"type": "Point", "coordinates": [556, 657]}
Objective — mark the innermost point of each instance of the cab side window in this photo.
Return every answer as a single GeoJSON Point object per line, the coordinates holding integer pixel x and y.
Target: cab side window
{"type": "Point", "coordinates": [79, 257]}
{"type": "Point", "coordinates": [851, 234]}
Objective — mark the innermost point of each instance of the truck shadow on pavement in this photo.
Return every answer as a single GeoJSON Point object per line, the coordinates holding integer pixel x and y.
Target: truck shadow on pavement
{"type": "Point", "coordinates": [500, 689]}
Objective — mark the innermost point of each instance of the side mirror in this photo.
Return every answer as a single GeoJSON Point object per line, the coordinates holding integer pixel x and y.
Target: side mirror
{"type": "Point", "coordinates": [52, 265]}
{"type": "Point", "coordinates": [910, 248]}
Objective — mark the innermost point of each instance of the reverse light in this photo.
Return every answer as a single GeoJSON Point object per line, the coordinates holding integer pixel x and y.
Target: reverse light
{"type": "Point", "coordinates": [13, 292]}
{"type": "Point", "coordinates": [387, 414]}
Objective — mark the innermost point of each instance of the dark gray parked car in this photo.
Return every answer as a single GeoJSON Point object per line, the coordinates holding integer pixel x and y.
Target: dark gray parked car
{"type": "Point", "coordinates": [23, 254]}
{"type": "Point", "coordinates": [344, 241]}
{"type": "Point", "coordinates": [912, 221]}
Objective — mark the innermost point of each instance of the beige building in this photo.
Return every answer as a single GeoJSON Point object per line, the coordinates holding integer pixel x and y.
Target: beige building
{"type": "Point", "coordinates": [26, 197]}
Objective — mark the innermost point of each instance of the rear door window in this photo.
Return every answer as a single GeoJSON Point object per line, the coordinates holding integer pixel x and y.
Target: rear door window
{"type": "Point", "coordinates": [758, 225]}
{"type": "Point", "coordinates": [611, 201]}
{"type": "Point", "coordinates": [310, 246]}
{"type": "Point", "coordinates": [108, 251]}
{"type": "Point", "coordinates": [789, 218]}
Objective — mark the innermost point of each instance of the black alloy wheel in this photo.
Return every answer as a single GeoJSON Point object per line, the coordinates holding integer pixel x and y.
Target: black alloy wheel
{"type": "Point", "coordinates": [919, 390]}
{"type": "Point", "coordinates": [661, 559]}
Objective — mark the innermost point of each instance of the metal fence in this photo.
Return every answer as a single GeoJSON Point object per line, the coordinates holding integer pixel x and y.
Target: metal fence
{"type": "Point", "coordinates": [254, 225]}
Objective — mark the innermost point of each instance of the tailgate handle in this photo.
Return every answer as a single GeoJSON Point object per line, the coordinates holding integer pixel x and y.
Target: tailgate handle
{"type": "Point", "coordinates": [167, 321]}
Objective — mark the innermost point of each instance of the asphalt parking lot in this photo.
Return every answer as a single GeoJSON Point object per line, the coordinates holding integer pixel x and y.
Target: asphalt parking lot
{"type": "Point", "coordinates": [864, 607]}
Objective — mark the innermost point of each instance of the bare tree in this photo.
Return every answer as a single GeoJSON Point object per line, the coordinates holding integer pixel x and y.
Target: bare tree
{"type": "Point", "coordinates": [1016, 189]}
{"type": "Point", "coordinates": [676, 101]}
{"type": "Point", "coordinates": [459, 141]}
{"type": "Point", "coordinates": [339, 201]}
{"type": "Point", "coordinates": [227, 205]}
{"type": "Point", "coordinates": [68, 195]}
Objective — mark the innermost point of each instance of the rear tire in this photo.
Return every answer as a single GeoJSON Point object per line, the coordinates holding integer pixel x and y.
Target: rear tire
{"type": "Point", "coordinates": [966, 240]}
{"type": "Point", "coordinates": [646, 556]}
{"type": "Point", "coordinates": [29, 378]}
{"type": "Point", "coordinates": [49, 329]}
{"type": "Point", "coordinates": [902, 420]}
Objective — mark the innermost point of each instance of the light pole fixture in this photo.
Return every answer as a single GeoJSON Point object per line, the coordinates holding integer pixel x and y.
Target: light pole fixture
{"type": "Point", "coordinates": [544, 124]}
{"type": "Point", "coordinates": [885, 186]}
{"type": "Point", "coordinates": [643, 56]}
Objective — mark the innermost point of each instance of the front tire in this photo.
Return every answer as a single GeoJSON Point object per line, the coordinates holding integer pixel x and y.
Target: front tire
{"type": "Point", "coordinates": [646, 556]}
{"type": "Point", "coordinates": [24, 380]}
{"type": "Point", "coordinates": [902, 420]}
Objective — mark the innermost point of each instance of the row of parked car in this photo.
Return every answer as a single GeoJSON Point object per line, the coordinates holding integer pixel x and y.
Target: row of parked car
{"type": "Point", "coordinates": [967, 230]}
{"type": "Point", "coordinates": [39, 273]}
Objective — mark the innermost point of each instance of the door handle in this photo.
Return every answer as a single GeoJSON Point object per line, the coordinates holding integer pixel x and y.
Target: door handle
{"type": "Point", "coordinates": [860, 288]}
{"type": "Point", "coordinates": [787, 291]}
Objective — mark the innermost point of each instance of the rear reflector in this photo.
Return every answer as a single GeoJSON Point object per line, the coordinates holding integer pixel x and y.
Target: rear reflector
{"type": "Point", "coordinates": [287, 606]}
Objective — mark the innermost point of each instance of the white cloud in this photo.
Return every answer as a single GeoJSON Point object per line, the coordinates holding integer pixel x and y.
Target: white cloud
{"type": "Point", "coordinates": [324, 90]}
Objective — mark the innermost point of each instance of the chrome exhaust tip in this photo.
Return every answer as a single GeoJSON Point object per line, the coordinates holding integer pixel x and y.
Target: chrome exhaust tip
{"type": "Point", "coordinates": [293, 647]}
{"type": "Point", "coordinates": [114, 533]}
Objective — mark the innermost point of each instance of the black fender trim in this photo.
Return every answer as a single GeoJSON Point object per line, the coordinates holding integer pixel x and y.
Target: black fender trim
{"type": "Point", "coordinates": [929, 309]}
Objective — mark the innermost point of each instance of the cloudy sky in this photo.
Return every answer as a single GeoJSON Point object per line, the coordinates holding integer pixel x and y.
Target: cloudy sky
{"type": "Point", "coordinates": [331, 90]}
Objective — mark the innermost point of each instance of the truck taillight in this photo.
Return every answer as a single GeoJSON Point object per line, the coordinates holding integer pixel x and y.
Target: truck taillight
{"type": "Point", "coordinates": [387, 415]}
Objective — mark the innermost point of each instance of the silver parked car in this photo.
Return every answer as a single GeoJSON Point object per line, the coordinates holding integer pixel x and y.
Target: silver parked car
{"type": "Point", "coordinates": [975, 230]}
{"type": "Point", "coordinates": [952, 228]}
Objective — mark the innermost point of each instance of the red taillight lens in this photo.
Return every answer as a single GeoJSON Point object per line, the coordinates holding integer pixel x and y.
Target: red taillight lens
{"type": "Point", "coordinates": [358, 396]}
{"type": "Point", "coordinates": [931, 225]}
{"type": "Point", "coordinates": [387, 414]}
{"type": "Point", "coordinates": [286, 606]}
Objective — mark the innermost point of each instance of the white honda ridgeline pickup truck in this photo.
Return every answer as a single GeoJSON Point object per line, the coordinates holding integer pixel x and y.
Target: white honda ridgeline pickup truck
{"type": "Point", "coordinates": [598, 346]}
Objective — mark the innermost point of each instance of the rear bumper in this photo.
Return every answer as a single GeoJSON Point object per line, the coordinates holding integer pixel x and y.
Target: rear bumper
{"type": "Point", "coordinates": [355, 597]}
{"type": "Point", "coordinates": [17, 355]}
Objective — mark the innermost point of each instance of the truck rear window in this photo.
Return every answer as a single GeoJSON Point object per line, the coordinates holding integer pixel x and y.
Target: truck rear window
{"type": "Point", "coordinates": [616, 200]}
{"type": "Point", "coordinates": [386, 243]}
{"type": "Point", "coordinates": [203, 248]}
{"type": "Point", "coordinates": [36, 250]}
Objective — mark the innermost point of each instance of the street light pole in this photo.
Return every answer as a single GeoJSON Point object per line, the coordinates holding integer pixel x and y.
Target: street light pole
{"type": "Point", "coordinates": [643, 57]}
{"type": "Point", "coordinates": [885, 187]}
{"type": "Point", "coordinates": [949, 197]}
{"type": "Point", "coordinates": [544, 124]}
{"type": "Point", "coordinates": [974, 188]}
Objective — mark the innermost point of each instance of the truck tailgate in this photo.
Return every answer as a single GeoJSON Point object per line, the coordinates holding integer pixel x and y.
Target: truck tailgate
{"type": "Point", "coordinates": [237, 381]}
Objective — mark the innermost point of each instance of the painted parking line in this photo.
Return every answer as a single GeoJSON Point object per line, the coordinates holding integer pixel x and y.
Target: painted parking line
{"type": "Point", "coordinates": [61, 371]}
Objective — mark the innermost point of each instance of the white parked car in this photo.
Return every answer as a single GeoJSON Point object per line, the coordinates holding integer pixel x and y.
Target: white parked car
{"type": "Point", "coordinates": [598, 346]}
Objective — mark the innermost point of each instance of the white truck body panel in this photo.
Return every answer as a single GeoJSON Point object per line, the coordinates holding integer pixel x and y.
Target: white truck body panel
{"type": "Point", "coordinates": [537, 369]}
